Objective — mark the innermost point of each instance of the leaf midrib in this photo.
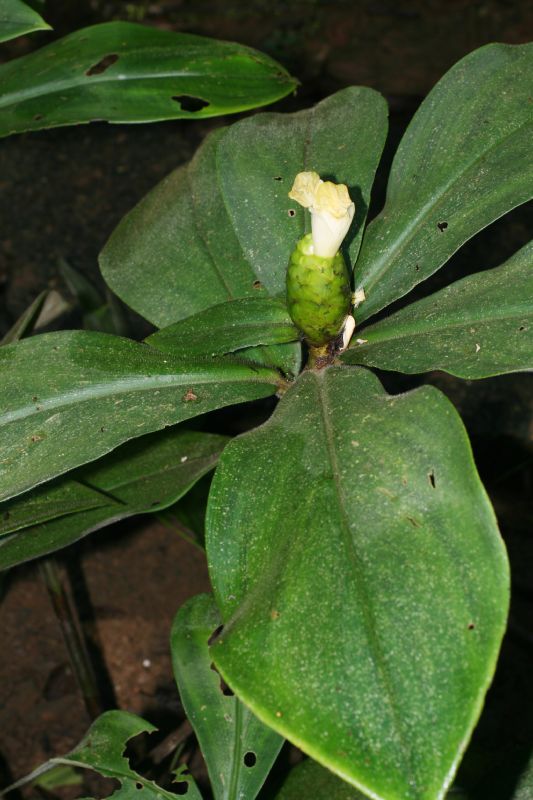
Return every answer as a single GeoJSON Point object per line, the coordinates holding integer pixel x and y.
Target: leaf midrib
{"type": "Point", "coordinates": [161, 471]}
{"type": "Point", "coordinates": [390, 255]}
{"type": "Point", "coordinates": [136, 385]}
{"type": "Point", "coordinates": [366, 605]}
{"type": "Point", "coordinates": [197, 340]}
{"type": "Point", "coordinates": [53, 87]}
{"type": "Point", "coordinates": [407, 330]}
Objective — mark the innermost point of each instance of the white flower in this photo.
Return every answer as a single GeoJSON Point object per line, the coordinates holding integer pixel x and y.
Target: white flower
{"type": "Point", "coordinates": [331, 210]}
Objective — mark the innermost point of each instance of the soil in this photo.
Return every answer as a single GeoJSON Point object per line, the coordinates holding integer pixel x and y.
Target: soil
{"type": "Point", "coordinates": [62, 192]}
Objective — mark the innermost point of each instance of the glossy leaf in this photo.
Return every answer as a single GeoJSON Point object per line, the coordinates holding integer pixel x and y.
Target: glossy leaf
{"type": "Point", "coordinates": [361, 578]}
{"type": "Point", "coordinates": [223, 227]}
{"type": "Point", "coordinates": [142, 476]}
{"type": "Point", "coordinates": [309, 779]}
{"type": "Point", "coordinates": [70, 397]}
{"type": "Point", "coordinates": [123, 72]}
{"type": "Point", "coordinates": [102, 749]}
{"type": "Point", "coordinates": [17, 18]}
{"type": "Point", "coordinates": [238, 749]}
{"type": "Point", "coordinates": [477, 327]}
{"type": "Point", "coordinates": [228, 327]}
{"type": "Point", "coordinates": [464, 161]}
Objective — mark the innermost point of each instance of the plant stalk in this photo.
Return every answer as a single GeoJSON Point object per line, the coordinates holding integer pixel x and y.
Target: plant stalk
{"type": "Point", "coordinates": [68, 619]}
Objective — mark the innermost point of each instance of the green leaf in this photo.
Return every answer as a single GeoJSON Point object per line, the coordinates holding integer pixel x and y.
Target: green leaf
{"type": "Point", "coordinates": [479, 326]}
{"type": "Point", "coordinates": [309, 779]}
{"type": "Point", "coordinates": [59, 777]}
{"type": "Point", "coordinates": [228, 327]}
{"type": "Point", "coordinates": [238, 749]}
{"type": "Point", "coordinates": [220, 229]}
{"type": "Point", "coordinates": [123, 72]}
{"type": "Point", "coordinates": [361, 578]}
{"type": "Point", "coordinates": [17, 18]}
{"type": "Point", "coordinates": [70, 397]}
{"type": "Point", "coordinates": [102, 750]}
{"type": "Point", "coordinates": [464, 161]}
{"type": "Point", "coordinates": [524, 788]}
{"type": "Point", "coordinates": [143, 476]}
{"type": "Point", "coordinates": [25, 323]}
{"type": "Point", "coordinates": [80, 287]}
{"type": "Point", "coordinates": [341, 138]}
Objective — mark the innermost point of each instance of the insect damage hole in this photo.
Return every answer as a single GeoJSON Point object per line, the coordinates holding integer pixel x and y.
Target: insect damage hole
{"type": "Point", "coordinates": [214, 636]}
{"type": "Point", "coordinates": [189, 103]}
{"type": "Point", "coordinates": [431, 478]}
{"type": "Point", "coordinates": [442, 226]}
{"type": "Point", "coordinates": [291, 212]}
{"type": "Point", "coordinates": [102, 65]}
{"type": "Point", "coordinates": [250, 759]}
{"type": "Point", "coordinates": [181, 788]}
{"type": "Point", "coordinates": [224, 688]}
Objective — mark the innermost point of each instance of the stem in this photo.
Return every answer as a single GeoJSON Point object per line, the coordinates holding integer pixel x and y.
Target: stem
{"type": "Point", "coordinates": [67, 616]}
{"type": "Point", "coordinates": [319, 356]}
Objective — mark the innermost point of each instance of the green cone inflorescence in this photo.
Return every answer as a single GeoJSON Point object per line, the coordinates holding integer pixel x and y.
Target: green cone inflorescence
{"type": "Point", "coordinates": [318, 292]}
{"type": "Point", "coordinates": [318, 282]}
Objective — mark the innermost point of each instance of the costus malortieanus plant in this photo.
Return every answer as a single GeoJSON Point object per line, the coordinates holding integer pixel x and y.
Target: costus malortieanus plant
{"type": "Point", "coordinates": [357, 569]}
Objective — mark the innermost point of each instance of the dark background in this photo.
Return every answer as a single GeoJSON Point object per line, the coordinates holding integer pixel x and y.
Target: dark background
{"type": "Point", "coordinates": [61, 194]}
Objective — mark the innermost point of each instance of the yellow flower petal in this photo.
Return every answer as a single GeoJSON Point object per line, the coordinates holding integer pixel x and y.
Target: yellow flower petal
{"type": "Point", "coordinates": [333, 198]}
{"type": "Point", "coordinates": [304, 188]}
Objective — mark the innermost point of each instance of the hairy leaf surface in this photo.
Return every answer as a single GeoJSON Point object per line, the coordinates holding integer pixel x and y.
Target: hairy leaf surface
{"type": "Point", "coordinates": [477, 327]}
{"type": "Point", "coordinates": [223, 227]}
{"type": "Point", "coordinates": [464, 161]}
{"type": "Point", "coordinates": [143, 476]}
{"type": "Point", "coordinates": [67, 398]}
{"type": "Point", "coordinates": [361, 578]}
{"type": "Point", "coordinates": [228, 327]}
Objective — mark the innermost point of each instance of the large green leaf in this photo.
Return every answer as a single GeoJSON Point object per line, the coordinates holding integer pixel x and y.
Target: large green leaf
{"type": "Point", "coordinates": [102, 749]}
{"type": "Point", "coordinates": [464, 161]}
{"type": "Point", "coordinates": [238, 749]}
{"type": "Point", "coordinates": [228, 327]}
{"type": "Point", "coordinates": [477, 327]}
{"type": "Point", "coordinates": [67, 398]}
{"type": "Point", "coordinates": [358, 568]}
{"type": "Point", "coordinates": [17, 18]}
{"type": "Point", "coordinates": [145, 475]}
{"type": "Point", "coordinates": [310, 780]}
{"type": "Point", "coordinates": [224, 227]}
{"type": "Point", "coordinates": [123, 72]}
